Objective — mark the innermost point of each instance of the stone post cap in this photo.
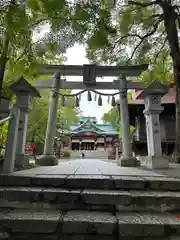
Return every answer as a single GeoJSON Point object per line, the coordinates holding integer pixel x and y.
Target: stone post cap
{"type": "Point", "coordinates": [22, 87]}
{"type": "Point", "coordinates": [156, 88]}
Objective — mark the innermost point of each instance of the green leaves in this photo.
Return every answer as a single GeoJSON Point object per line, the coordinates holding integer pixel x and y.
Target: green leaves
{"type": "Point", "coordinates": [39, 115]}
{"type": "Point", "coordinates": [112, 117]}
{"type": "Point", "coordinates": [3, 135]}
{"type": "Point", "coordinates": [126, 21]}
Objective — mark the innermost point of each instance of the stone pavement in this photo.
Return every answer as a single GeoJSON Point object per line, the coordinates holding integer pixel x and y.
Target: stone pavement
{"type": "Point", "coordinates": [88, 167]}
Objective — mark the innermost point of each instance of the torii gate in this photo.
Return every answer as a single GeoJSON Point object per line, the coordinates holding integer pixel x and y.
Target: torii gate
{"type": "Point", "coordinates": [89, 73]}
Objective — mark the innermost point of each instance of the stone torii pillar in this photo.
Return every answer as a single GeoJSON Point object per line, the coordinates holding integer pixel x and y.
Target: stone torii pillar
{"type": "Point", "coordinates": [127, 159]}
{"type": "Point", "coordinates": [48, 158]}
{"type": "Point", "coordinates": [15, 142]}
{"type": "Point", "coordinates": [152, 99]}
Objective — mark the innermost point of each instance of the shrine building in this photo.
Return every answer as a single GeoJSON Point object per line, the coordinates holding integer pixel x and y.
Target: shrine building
{"type": "Point", "coordinates": [87, 134]}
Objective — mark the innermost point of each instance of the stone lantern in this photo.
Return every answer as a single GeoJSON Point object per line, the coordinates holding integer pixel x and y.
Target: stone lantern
{"type": "Point", "coordinates": [15, 143]}
{"type": "Point", "coordinates": [152, 100]}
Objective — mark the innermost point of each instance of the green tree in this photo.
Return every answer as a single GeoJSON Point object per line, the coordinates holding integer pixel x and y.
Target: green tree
{"type": "Point", "coordinates": [113, 115]}
{"type": "Point", "coordinates": [39, 114]}
{"type": "Point", "coordinates": [143, 30]}
{"type": "Point", "coordinates": [3, 134]}
{"type": "Point", "coordinates": [23, 46]}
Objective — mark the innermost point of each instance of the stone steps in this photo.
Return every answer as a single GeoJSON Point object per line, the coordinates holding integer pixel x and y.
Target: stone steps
{"type": "Point", "coordinates": [89, 207]}
{"type": "Point", "coordinates": [93, 182]}
{"type": "Point", "coordinates": [54, 224]}
{"type": "Point", "coordinates": [122, 200]}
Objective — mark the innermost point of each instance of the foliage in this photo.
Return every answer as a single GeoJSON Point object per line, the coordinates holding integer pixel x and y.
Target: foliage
{"type": "Point", "coordinates": [113, 115]}
{"type": "Point", "coordinates": [32, 32]}
{"type": "Point", "coordinates": [140, 31]}
{"type": "Point", "coordinates": [66, 153]}
{"type": "Point", "coordinates": [39, 115]}
{"type": "Point", "coordinates": [128, 33]}
{"type": "Point", "coordinates": [132, 128]}
{"type": "Point", "coordinates": [3, 134]}
{"type": "Point", "coordinates": [24, 47]}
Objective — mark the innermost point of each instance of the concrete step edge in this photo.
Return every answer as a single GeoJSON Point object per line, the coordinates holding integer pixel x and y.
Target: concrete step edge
{"type": "Point", "coordinates": [65, 198]}
{"type": "Point", "coordinates": [93, 181]}
{"type": "Point", "coordinates": [89, 222]}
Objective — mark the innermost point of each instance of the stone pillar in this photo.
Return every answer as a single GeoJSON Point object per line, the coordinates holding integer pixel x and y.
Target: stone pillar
{"type": "Point", "coordinates": [116, 153]}
{"type": "Point", "coordinates": [21, 161]}
{"type": "Point", "coordinates": [24, 93]}
{"type": "Point", "coordinates": [11, 141]}
{"type": "Point", "coordinates": [152, 99]}
{"type": "Point", "coordinates": [48, 158]}
{"type": "Point", "coordinates": [70, 143]}
{"type": "Point", "coordinates": [127, 159]}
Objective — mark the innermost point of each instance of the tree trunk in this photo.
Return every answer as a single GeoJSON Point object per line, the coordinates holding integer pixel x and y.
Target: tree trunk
{"type": "Point", "coordinates": [172, 35]}
{"type": "Point", "coordinates": [3, 62]}
{"type": "Point", "coordinates": [4, 56]}
{"type": "Point", "coordinates": [2, 72]}
{"type": "Point", "coordinates": [177, 143]}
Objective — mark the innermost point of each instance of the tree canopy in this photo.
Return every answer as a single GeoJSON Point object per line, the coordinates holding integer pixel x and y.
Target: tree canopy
{"type": "Point", "coordinates": [23, 45]}
{"type": "Point", "coordinates": [139, 31]}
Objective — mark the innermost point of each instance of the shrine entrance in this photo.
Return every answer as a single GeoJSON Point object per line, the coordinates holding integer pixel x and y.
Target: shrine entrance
{"type": "Point", "coordinates": [18, 118]}
{"type": "Point", "coordinates": [87, 146]}
{"type": "Point", "coordinates": [90, 72]}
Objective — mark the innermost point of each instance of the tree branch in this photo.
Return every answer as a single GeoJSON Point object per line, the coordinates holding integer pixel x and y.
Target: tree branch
{"type": "Point", "coordinates": [146, 36]}
{"type": "Point", "coordinates": [162, 46]}
{"type": "Point", "coordinates": [142, 4]}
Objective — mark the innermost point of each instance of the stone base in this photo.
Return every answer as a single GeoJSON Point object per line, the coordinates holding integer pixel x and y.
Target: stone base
{"type": "Point", "coordinates": [22, 161]}
{"type": "Point", "coordinates": [47, 160]}
{"type": "Point", "coordinates": [154, 162]}
{"type": "Point", "coordinates": [128, 162]}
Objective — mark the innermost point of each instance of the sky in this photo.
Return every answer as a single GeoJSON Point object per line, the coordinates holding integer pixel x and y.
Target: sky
{"type": "Point", "coordinates": [77, 56]}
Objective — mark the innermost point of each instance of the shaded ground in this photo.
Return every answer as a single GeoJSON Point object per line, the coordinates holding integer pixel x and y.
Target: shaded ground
{"type": "Point", "coordinates": [172, 171]}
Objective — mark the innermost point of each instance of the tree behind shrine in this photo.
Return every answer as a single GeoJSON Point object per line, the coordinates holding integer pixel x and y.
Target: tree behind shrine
{"type": "Point", "coordinates": [148, 29]}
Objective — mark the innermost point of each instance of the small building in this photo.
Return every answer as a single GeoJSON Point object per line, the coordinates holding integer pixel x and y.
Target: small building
{"type": "Point", "coordinates": [89, 136]}
{"type": "Point", "coordinates": [167, 122]}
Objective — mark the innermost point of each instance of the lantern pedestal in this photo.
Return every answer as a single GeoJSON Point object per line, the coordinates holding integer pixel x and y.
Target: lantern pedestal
{"type": "Point", "coordinates": [47, 160]}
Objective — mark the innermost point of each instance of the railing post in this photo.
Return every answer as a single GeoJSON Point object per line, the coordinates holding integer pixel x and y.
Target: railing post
{"type": "Point", "coordinates": [11, 142]}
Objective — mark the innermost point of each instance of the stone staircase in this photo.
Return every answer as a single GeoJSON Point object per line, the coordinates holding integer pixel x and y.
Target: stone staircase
{"type": "Point", "coordinates": [55, 207]}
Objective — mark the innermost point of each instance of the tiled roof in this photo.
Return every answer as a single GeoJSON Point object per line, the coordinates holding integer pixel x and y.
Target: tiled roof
{"type": "Point", "coordinates": [89, 126]}
{"type": "Point", "coordinates": [168, 98]}
{"type": "Point", "coordinates": [85, 118]}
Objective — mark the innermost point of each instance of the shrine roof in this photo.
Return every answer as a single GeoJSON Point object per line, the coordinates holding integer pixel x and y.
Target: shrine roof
{"type": "Point", "coordinates": [168, 98]}
{"type": "Point", "coordinates": [90, 126]}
